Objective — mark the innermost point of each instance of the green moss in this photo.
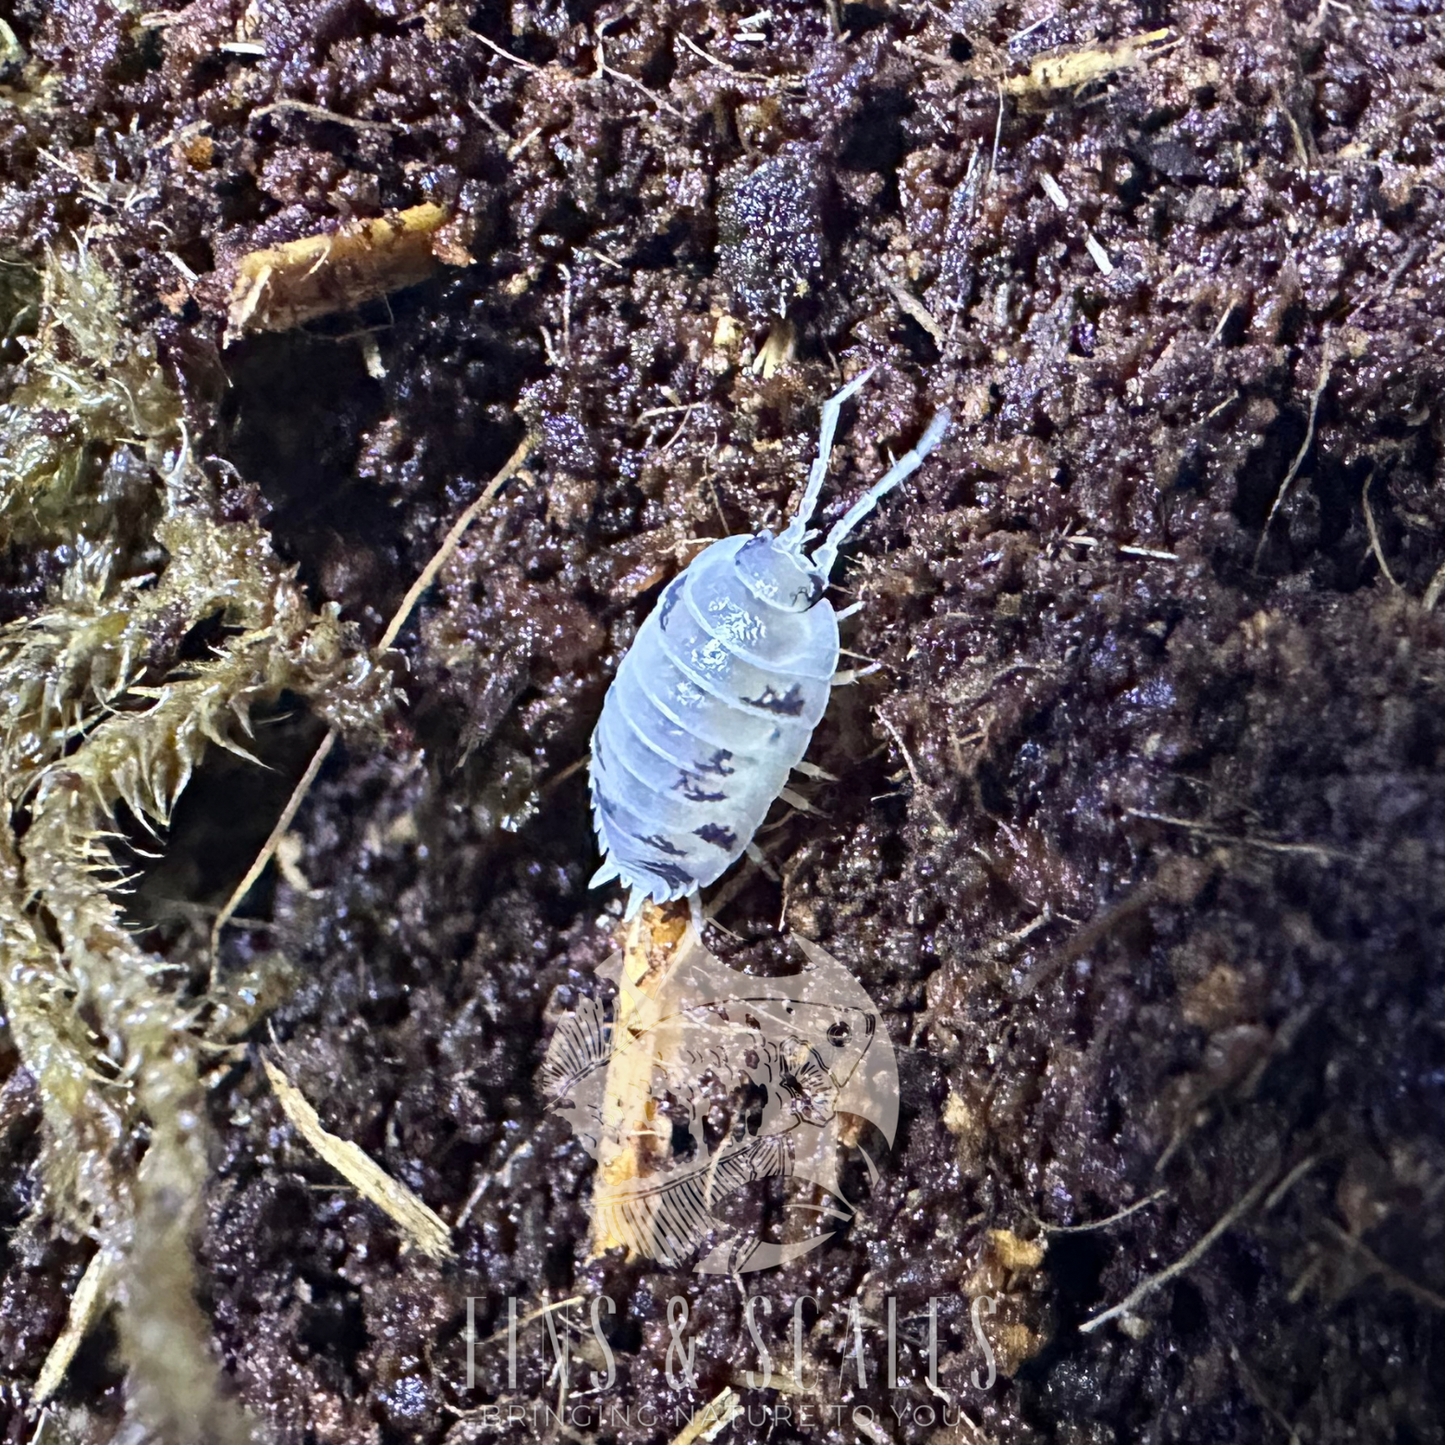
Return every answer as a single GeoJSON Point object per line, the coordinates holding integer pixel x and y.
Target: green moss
{"type": "Point", "coordinates": [92, 398]}
{"type": "Point", "coordinates": [95, 712]}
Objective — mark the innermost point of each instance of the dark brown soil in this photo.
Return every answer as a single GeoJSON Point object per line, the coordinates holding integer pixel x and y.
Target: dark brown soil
{"type": "Point", "coordinates": [1140, 834]}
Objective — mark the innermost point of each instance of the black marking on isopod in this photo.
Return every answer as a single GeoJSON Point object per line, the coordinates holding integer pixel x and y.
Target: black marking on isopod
{"type": "Point", "coordinates": [694, 792]}
{"type": "Point", "coordinates": [787, 704]}
{"type": "Point", "coordinates": [718, 764]}
{"type": "Point", "coordinates": [672, 874]}
{"type": "Point", "coordinates": [669, 601]}
{"type": "Point", "coordinates": [663, 845]}
{"type": "Point", "coordinates": [810, 594]}
{"type": "Point", "coordinates": [717, 835]}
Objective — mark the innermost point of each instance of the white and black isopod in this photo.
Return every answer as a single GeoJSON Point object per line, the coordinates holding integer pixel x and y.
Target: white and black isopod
{"type": "Point", "coordinates": [717, 698]}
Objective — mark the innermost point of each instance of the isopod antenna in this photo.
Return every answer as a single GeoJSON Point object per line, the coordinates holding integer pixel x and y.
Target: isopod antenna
{"type": "Point", "coordinates": [793, 535]}
{"type": "Point", "coordinates": [905, 466]}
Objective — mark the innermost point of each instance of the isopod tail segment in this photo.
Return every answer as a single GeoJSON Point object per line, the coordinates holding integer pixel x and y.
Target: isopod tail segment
{"type": "Point", "coordinates": [716, 700]}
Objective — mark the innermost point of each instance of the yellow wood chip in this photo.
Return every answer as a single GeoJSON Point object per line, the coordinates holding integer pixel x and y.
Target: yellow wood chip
{"type": "Point", "coordinates": [1015, 1253]}
{"type": "Point", "coordinates": [709, 1422]}
{"type": "Point", "coordinates": [632, 1144]}
{"type": "Point", "coordinates": [1100, 255]}
{"type": "Point", "coordinates": [1074, 68]}
{"type": "Point", "coordinates": [91, 1299]}
{"type": "Point", "coordinates": [280, 287]}
{"type": "Point", "coordinates": [426, 1229]}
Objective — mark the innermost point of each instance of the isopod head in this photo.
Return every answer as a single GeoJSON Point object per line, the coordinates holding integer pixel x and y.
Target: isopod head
{"type": "Point", "coordinates": [778, 576]}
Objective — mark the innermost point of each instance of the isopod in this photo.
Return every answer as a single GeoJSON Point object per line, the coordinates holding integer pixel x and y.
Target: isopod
{"type": "Point", "coordinates": [716, 700]}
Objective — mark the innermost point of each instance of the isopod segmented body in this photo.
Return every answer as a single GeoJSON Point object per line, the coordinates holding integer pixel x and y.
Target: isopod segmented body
{"type": "Point", "coordinates": [716, 700]}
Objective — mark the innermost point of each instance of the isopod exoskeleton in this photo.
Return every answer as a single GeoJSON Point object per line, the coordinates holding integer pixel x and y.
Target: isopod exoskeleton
{"type": "Point", "coordinates": [716, 700]}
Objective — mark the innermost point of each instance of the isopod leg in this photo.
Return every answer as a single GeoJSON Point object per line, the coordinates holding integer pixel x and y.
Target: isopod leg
{"type": "Point", "coordinates": [757, 855]}
{"type": "Point", "coordinates": [796, 800]}
{"type": "Point", "coordinates": [792, 536]}
{"type": "Point", "coordinates": [812, 770]}
{"type": "Point", "coordinates": [906, 465]}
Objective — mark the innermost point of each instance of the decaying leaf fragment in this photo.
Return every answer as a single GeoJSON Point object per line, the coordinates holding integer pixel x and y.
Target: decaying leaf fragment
{"type": "Point", "coordinates": [1069, 70]}
{"type": "Point", "coordinates": [789, 1067]}
{"type": "Point", "coordinates": [280, 287]}
{"type": "Point", "coordinates": [426, 1229]}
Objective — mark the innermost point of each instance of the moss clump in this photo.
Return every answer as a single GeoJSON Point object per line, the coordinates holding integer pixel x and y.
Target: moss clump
{"type": "Point", "coordinates": [98, 712]}
{"type": "Point", "coordinates": [91, 414]}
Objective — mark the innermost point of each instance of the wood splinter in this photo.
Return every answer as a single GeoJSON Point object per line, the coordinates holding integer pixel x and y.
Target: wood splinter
{"type": "Point", "coordinates": [632, 1147]}
{"type": "Point", "coordinates": [1061, 73]}
{"type": "Point", "coordinates": [281, 287]}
